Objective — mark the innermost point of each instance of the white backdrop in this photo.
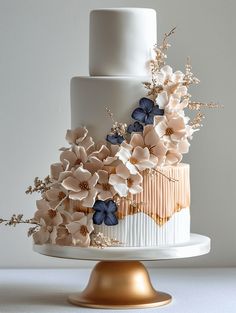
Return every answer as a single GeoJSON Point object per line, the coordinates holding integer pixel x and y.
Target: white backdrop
{"type": "Point", "coordinates": [44, 43]}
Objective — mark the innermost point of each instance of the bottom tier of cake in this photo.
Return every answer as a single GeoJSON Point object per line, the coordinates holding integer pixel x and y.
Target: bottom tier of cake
{"type": "Point", "coordinates": [141, 230]}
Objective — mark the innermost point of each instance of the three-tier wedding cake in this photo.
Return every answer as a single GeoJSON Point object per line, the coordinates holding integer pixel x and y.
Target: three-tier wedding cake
{"type": "Point", "coordinates": [121, 180]}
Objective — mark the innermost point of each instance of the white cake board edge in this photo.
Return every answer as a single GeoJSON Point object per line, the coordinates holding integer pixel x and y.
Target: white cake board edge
{"type": "Point", "coordinates": [196, 246]}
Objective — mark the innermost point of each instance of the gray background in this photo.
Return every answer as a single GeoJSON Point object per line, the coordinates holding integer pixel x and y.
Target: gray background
{"type": "Point", "coordinates": [44, 43]}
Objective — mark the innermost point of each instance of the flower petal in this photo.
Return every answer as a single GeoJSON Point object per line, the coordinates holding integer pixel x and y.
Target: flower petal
{"type": "Point", "coordinates": [146, 104]}
{"type": "Point", "coordinates": [89, 201]}
{"type": "Point", "coordinates": [139, 115]}
{"type": "Point", "coordinates": [98, 217]}
{"type": "Point", "coordinates": [71, 183]}
{"type": "Point", "coordinates": [80, 195]}
{"type": "Point", "coordinates": [137, 140]}
{"type": "Point", "coordinates": [162, 99]}
{"type": "Point", "coordinates": [82, 174]}
{"type": "Point", "coordinates": [93, 180]}
{"type": "Point", "coordinates": [111, 206]}
{"type": "Point", "coordinates": [110, 219]}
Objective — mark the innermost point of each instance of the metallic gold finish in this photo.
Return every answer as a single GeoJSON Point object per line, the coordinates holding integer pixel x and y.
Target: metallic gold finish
{"type": "Point", "coordinates": [120, 285]}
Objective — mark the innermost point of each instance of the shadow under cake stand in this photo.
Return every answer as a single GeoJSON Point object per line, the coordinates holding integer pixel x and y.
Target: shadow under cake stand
{"type": "Point", "coordinates": [119, 280]}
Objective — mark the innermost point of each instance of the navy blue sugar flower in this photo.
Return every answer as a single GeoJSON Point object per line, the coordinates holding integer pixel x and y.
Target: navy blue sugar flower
{"type": "Point", "coordinates": [105, 212]}
{"type": "Point", "coordinates": [146, 111]}
{"type": "Point", "coordinates": [115, 139]}
{"type": "Point", "coordinates": [136, 128]}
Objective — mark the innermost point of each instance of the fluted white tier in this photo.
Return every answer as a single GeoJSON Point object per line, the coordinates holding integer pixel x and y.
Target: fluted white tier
{"type": "Point", "coordinates": [197, 245]}
{"type": "Point", "coordinates": [140, 230]}
{"type": "Point", "coordinates": [91, 95]}
{"type": "Point", "coordinates": [121, 41]}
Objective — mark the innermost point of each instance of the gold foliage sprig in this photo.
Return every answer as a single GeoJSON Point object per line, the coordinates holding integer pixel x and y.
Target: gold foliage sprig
{"type": "Point", "coordinates": [155, 65]}
{"type": "Point", "coordinates": [117, 127]}
{"type": "Point", "coordinates": [160, 52]}
{"type": "Point", "coordinates": [98, 240]}
{"type": "Point", "coordinates": [197, 120]}
{"type": "Point", "coordinates": [39, 185]}
{"type": "Point", "coordinates": [16, 219]}
{"type": "Point", "coordinates": [189, 78]}
{"type": "Point", "coordinates": [196, 105]}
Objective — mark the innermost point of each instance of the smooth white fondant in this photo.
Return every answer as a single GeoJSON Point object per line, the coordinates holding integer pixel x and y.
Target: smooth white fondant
{"type": "Point", "coordinates": [121, 41]}
{"type": "Point", "coordinates": [140, 230]}
{"type": "Point", "coordinates": [197, 245]}
{"type": "Point", "coordinates": [91, 95]}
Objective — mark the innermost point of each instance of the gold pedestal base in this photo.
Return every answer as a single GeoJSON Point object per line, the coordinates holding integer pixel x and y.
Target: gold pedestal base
{"type": "Point", "coordinates": [120, 285]}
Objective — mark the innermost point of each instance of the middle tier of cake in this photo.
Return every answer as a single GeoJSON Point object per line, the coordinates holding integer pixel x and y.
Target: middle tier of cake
{"type": "Point", "coordinates": [90, 96]}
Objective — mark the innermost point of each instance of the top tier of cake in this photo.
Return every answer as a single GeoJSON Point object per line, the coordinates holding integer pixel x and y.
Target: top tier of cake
{"type": "Point", "coordinates": [121, 41]}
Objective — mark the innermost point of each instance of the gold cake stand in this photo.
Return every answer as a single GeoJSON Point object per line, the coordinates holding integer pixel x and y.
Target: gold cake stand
{"type": "Point", "coordinates": [119, 280]}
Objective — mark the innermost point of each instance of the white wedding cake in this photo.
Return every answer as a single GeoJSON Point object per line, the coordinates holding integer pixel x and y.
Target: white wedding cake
{"type": "Point", "coordinates": [121, 180]}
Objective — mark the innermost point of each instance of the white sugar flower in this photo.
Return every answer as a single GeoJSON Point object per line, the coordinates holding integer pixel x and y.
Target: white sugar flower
{"type": "Point", "coordinates": [79, 136]}
{"type": "Point", "coordinates": [151, 140]}
{"type": "Point", "coordinates": [173, 129]}
{"type": "Point", "coordinates": [171, 104]}
{"type": "Point", "coordinates": [181, 146]}
{"type": "Point", "coordinates": [74, 158]}
{"type": "Point", "coordinates": [124, 182]}
{"type": "Point", "coordinates": [55, 196]}
{"type": "Point", "coordinates": [46, 233]}
{"type": "Point", "coordinates": [171, 82]}
{"type": "Point", "coordinates": [44, 211]}
{"type": "Point", "coordinates": [80, 229]}
{"type": "Point", "coordinates": [105, 190]}
{"type": "Point", "coordinates": [173, 157]}
{"type": "Point", "coordinates": [81, 186]}
{"type": "Point", "coordinates": [137, 159]}
{"type": "Point", "coordinates": [48, 219]}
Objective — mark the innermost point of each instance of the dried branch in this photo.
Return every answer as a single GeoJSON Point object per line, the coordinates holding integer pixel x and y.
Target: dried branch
{"type": "Point", "coordinates": [39, 185]}
{"type": "Point", "coordinates": [196, 121]}
{"type": "Point", "coordinates": [195, 105]}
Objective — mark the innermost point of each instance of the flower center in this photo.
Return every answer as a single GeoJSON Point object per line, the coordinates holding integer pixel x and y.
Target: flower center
{"type": "Point", "coordinates": [84, 185]}
{"type": "Point", "coordinates": [166, 81]}
{"type": "Point", "coordinates": [129, 182]}
{"type": "Point", "coordinates": [106, 187]}
{"type": "Point", "coordinates": [169, 131]}
{"type": "Point", "coordinates": [133, 160]}
{"type": "Point", "coordinates": [83, 230]}
{"type": "Point", "coordinates": [78, 162]}
{"type": "Point", "coordinates": [61, 195]}
{"type": "Point", "coordinates": [52, 213]}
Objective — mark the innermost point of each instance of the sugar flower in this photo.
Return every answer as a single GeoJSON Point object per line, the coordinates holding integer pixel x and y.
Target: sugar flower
{"type": "Point", "coordinates": [171, 82]}
{"type": "Point", "coordinates": [80, 229]}
{"type": "Point", "coordinates": [173, 129]}
{"type": "Point", "coordinates": [173, 157]}
{"type": "Point", "coordinates": [136, 127]}
{"type": "Point", "coordinates": [124, 182]}
{"type": "Point", "coordinates": [137, 159]}
{"type": "Point", "coordinates": [64, 238]}
{"type": "Point", "coordinates": [105, 190]}
{"type": "Point", "coordinates": [46, 233]}
{"type": "Point", "coordinates": [151, 140]}
{"type": "Point", "coordinates": [105, 212]}
{"type": "Point", "coordinates": [56, 169]}
{"type": "Point", "coordinates": [146, 111]}
{"type": "Point", "coordinates": [79, 136]}
{"type": "Point", "coordinates": [115, 139]}
{"type": "Point", "coordinates": [55, 196]}
{"type": "Point", "coordinates": [81, 186]}
{"type": "Point", "coordinates": [48, 219]}
{"type": "Point", "coordinates": [44, 211]}
{"type": "Point", "coordinates": [172, 103]}
{"type": "Point", "coordinates": [74, 157]}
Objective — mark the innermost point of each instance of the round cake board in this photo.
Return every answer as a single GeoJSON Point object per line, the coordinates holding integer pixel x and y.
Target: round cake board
{"type": "Point", "coordinates": [120, 280]}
